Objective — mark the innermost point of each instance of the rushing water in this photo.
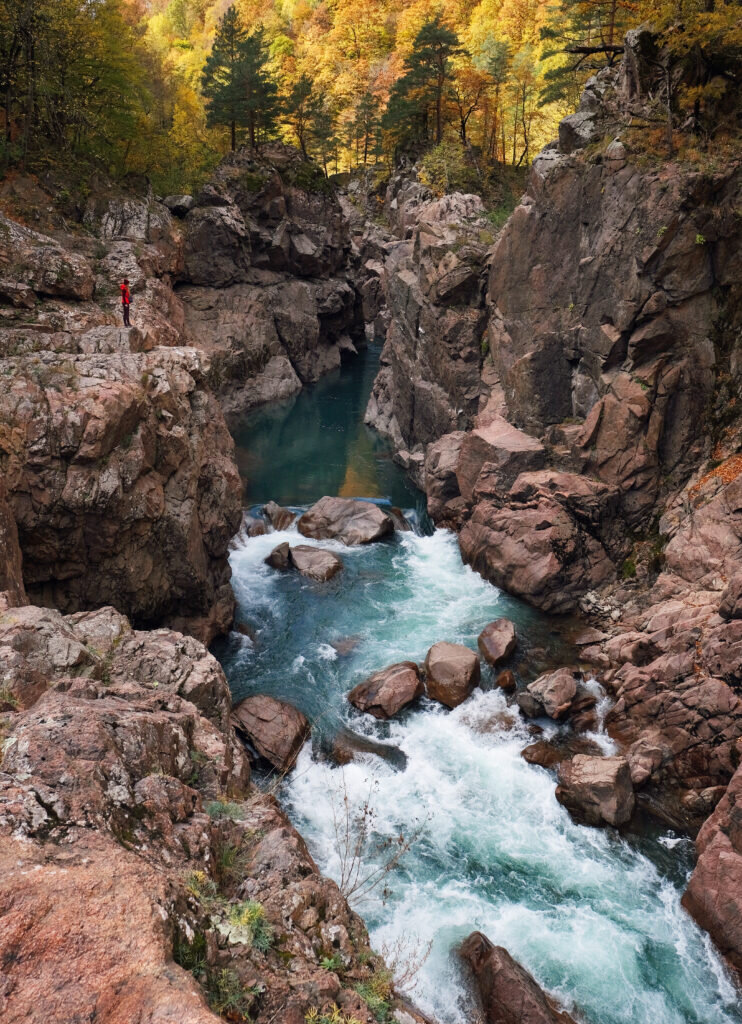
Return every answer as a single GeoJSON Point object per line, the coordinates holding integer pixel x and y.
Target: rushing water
{"type": "Point", "coordinates": [595, 917]}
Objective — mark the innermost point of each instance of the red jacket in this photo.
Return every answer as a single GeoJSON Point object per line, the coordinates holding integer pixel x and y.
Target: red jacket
{"type": "Point", "coordinates": [125, 295]}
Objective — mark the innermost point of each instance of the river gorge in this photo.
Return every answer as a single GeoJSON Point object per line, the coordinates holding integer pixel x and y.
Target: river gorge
{"type": "Point", "coordinates": [594, 916]}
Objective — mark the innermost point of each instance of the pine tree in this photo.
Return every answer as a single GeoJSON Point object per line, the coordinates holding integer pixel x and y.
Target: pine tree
{"type": "Point", "coordinates": [421, 89]}
{"type": "Point", "coordinates": [259, 90]}
{"type": "Point", "coordinates": [222, 80]}
{"type": "Point", "coordinates": [366, 124]}
{"type": "Point", "coordinates": [300, 110]}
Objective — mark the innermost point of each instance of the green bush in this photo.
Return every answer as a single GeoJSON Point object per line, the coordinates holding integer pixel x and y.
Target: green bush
{"type": "Point", "coordinates": [249, 920]}
{"type": "Point", "coordinates": [628, 569]}
{"type": "Point", "coordinates": [445, 168]}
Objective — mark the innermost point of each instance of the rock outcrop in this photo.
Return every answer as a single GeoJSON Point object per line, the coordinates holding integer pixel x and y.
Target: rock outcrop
{"type": "Point", "coordinates": [267, 288]}
{"type": "Point", "coordinates": [714, 893]}
{"type": "Point", "coordinates": [141, 877]}
{"type": "Point", "coordinates": [120, 473]}
{"type": "Point", "coordinates": [508, 993]}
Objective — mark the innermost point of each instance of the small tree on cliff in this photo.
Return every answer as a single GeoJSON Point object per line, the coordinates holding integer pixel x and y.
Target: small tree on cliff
{"type": "Point", "coordinates": [239, 90]}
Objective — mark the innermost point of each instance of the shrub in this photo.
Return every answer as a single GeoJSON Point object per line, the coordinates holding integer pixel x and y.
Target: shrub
{"type": "Point", "coordinates": [249, 921]}
{"type": "Point", "coordinates": [329, 1016]}
{"type": "Point", "coordinates": [445, 168]}
{"type": "Point", "coordinates": [220, 809]}
{"type": "Point", "coordinates": [377, 995]}
{"type": "Point", "coordinates": [228, 996]}
{"type": "Point", "coordinates": [628, 569]}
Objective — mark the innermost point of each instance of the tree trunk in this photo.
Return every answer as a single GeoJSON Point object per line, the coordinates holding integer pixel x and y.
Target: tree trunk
{"type": "Point", "coordinates": [233, 127]}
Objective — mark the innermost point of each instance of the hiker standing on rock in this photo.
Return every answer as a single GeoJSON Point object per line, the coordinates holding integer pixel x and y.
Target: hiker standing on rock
{"type": "Point", "coordinates": [125, 301]}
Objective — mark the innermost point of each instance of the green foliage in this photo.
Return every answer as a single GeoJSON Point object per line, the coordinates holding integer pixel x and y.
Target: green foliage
{"type": "Point", "coordinates": [445, 168]}
{"type": "Point", "coordinates": [8, 697]}
{"type": "Point", "coordinates": [240, 92]}
{"type": "Point", "coordinates": [190, 955]}
{"type": "Point", "coordinates": [332, 963]}
{"type": "Point", "coordinates": [228, 996]}
{"type": "Point", "coordinates": [700, 240]}
{"type": "Point", "coordinates": [327, 1015]}
{"type": "Point", "coordinates": [415, 109]}
{"type": "Point", "coordinates": [249, 918]}
{"type": "Point", "coordinates": [628, 569]}
{"type": "Point", "coordinates": [377, 993]}
{"type": "Point", "coordinates": [222, 808]}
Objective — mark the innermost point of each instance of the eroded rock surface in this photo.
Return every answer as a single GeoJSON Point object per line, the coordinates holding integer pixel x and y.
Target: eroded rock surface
{"type": "Point", "coordinates": [596, 790]}
{"type": "Point", "coordinates": [132, 847]}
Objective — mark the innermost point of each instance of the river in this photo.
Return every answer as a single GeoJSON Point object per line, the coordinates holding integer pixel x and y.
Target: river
{"type": "Point", "coordinates": [595, 916]}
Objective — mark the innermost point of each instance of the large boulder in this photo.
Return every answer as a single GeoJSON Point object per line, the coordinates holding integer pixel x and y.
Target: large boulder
{"type": "Point", "coordinates": [274, 729]}
{"type": "Point", "coordinates": [508, 993]}
{"type": "Point", "coordinates": [441, 481]}
{"type": "Point", "coordinates": [714, 893]}
{"type": "Point", "coordinates": [500, 453]}
{"type": "Point", "coordinates": [279, 518]}
{"type": "Point", "coordinates": [385, 693]}
{"type": "Point", "coordinates": [551, 694]}
{"type": "Point", "coordinates": [347, 520]}
{"type": "Point", "coordinates": [497, 641]}
{"type": "Point", "coordinates": [596, 790]}
{"type": "Point", "coordinates": [315, 563]}
{"type": "Point", "coordinates": [451, 673]}
{"type": "Point", "coordinates": [280, 557]}
{"type": "Point", "coordinates": [547, 543]}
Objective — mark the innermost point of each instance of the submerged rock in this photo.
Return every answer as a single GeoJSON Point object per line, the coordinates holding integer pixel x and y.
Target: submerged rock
{"type": "Point", "coordinates": [596, 790]}
{"type": "Point", "coordinates": [385, 693]}
{"type": "Point", "coordinates": [315, 563]}
{"type": "Point", "coordinates": [345, 745]}
{"type": "Point", "coordinates": [497, 641]}
{"type": "Point", "coordinates": [275, 729]}
{"type": "Point", "coordinates": [506, 681]}
{"type": "Point", "coordinates": [452, 671]}
{"type": "Point", "coordinates": [347, 520]}
{"type": "Point", "coordinates": [508, 993]}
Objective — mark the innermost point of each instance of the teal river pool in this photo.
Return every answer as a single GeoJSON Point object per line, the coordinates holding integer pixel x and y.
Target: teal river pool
{"type": "Point", "coordinates": [594, 916]}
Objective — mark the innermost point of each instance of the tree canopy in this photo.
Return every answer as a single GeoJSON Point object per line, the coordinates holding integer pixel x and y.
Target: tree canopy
{"type": "Point", "coordinates": [164, 87]}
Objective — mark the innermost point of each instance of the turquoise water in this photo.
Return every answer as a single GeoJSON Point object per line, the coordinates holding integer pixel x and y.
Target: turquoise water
{"type": "Point", "coordinates": [594, 916]}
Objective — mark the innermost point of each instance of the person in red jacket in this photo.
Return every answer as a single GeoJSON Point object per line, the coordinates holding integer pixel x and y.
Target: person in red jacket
{"type": "Point", "coordinates": [125, 301]}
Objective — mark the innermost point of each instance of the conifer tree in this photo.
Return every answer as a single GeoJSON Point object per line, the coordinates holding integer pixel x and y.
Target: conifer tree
{"type": "Point", "coordinates": [421, 89]}
{"type": "Point", "coordinates": [259, 90]}
{"type": "Point", "coordinates": [222, 79]}
{"type": "Point", "coordinates": [300, 111]}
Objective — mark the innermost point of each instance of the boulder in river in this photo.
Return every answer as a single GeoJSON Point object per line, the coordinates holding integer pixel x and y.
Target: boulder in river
{"type": "Point", "coordinates": [388, 691]}
{"type": "Point", "coordinates": [596, 790]}
{"type": "Point", "coordinates": [279, 518]}
{"type": "Point", "coordinates": [497, 641]}
{"type": "Point", "coordinates": [508, 993]}
{"type": "Point", "coordinates": [274, 729]}
{"type": "Point", "coordinates": [551, 694]}
{"type": "Point", "coordinates": [280, 557]}
{"type": "Point", "coordinates": [316, 563]}
{"type": "Point", "coordinates": [346, 520]}
{"type": "Point", "coordinates": [452, 672]}
{"type": "Point", "coordinates": [345, 745]}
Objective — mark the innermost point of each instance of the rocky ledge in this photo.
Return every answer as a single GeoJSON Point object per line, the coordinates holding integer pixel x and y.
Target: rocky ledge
{"type": "Point", "coordinates": [143, 877]}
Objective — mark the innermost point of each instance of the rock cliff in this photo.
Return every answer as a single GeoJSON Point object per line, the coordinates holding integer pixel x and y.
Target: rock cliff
{"type": "Point", "coordinates": [115, 459]}
{"type": "Point", "coordinates": [142, 876]}
{"type": "Point", "coordinates": [580, 428]}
